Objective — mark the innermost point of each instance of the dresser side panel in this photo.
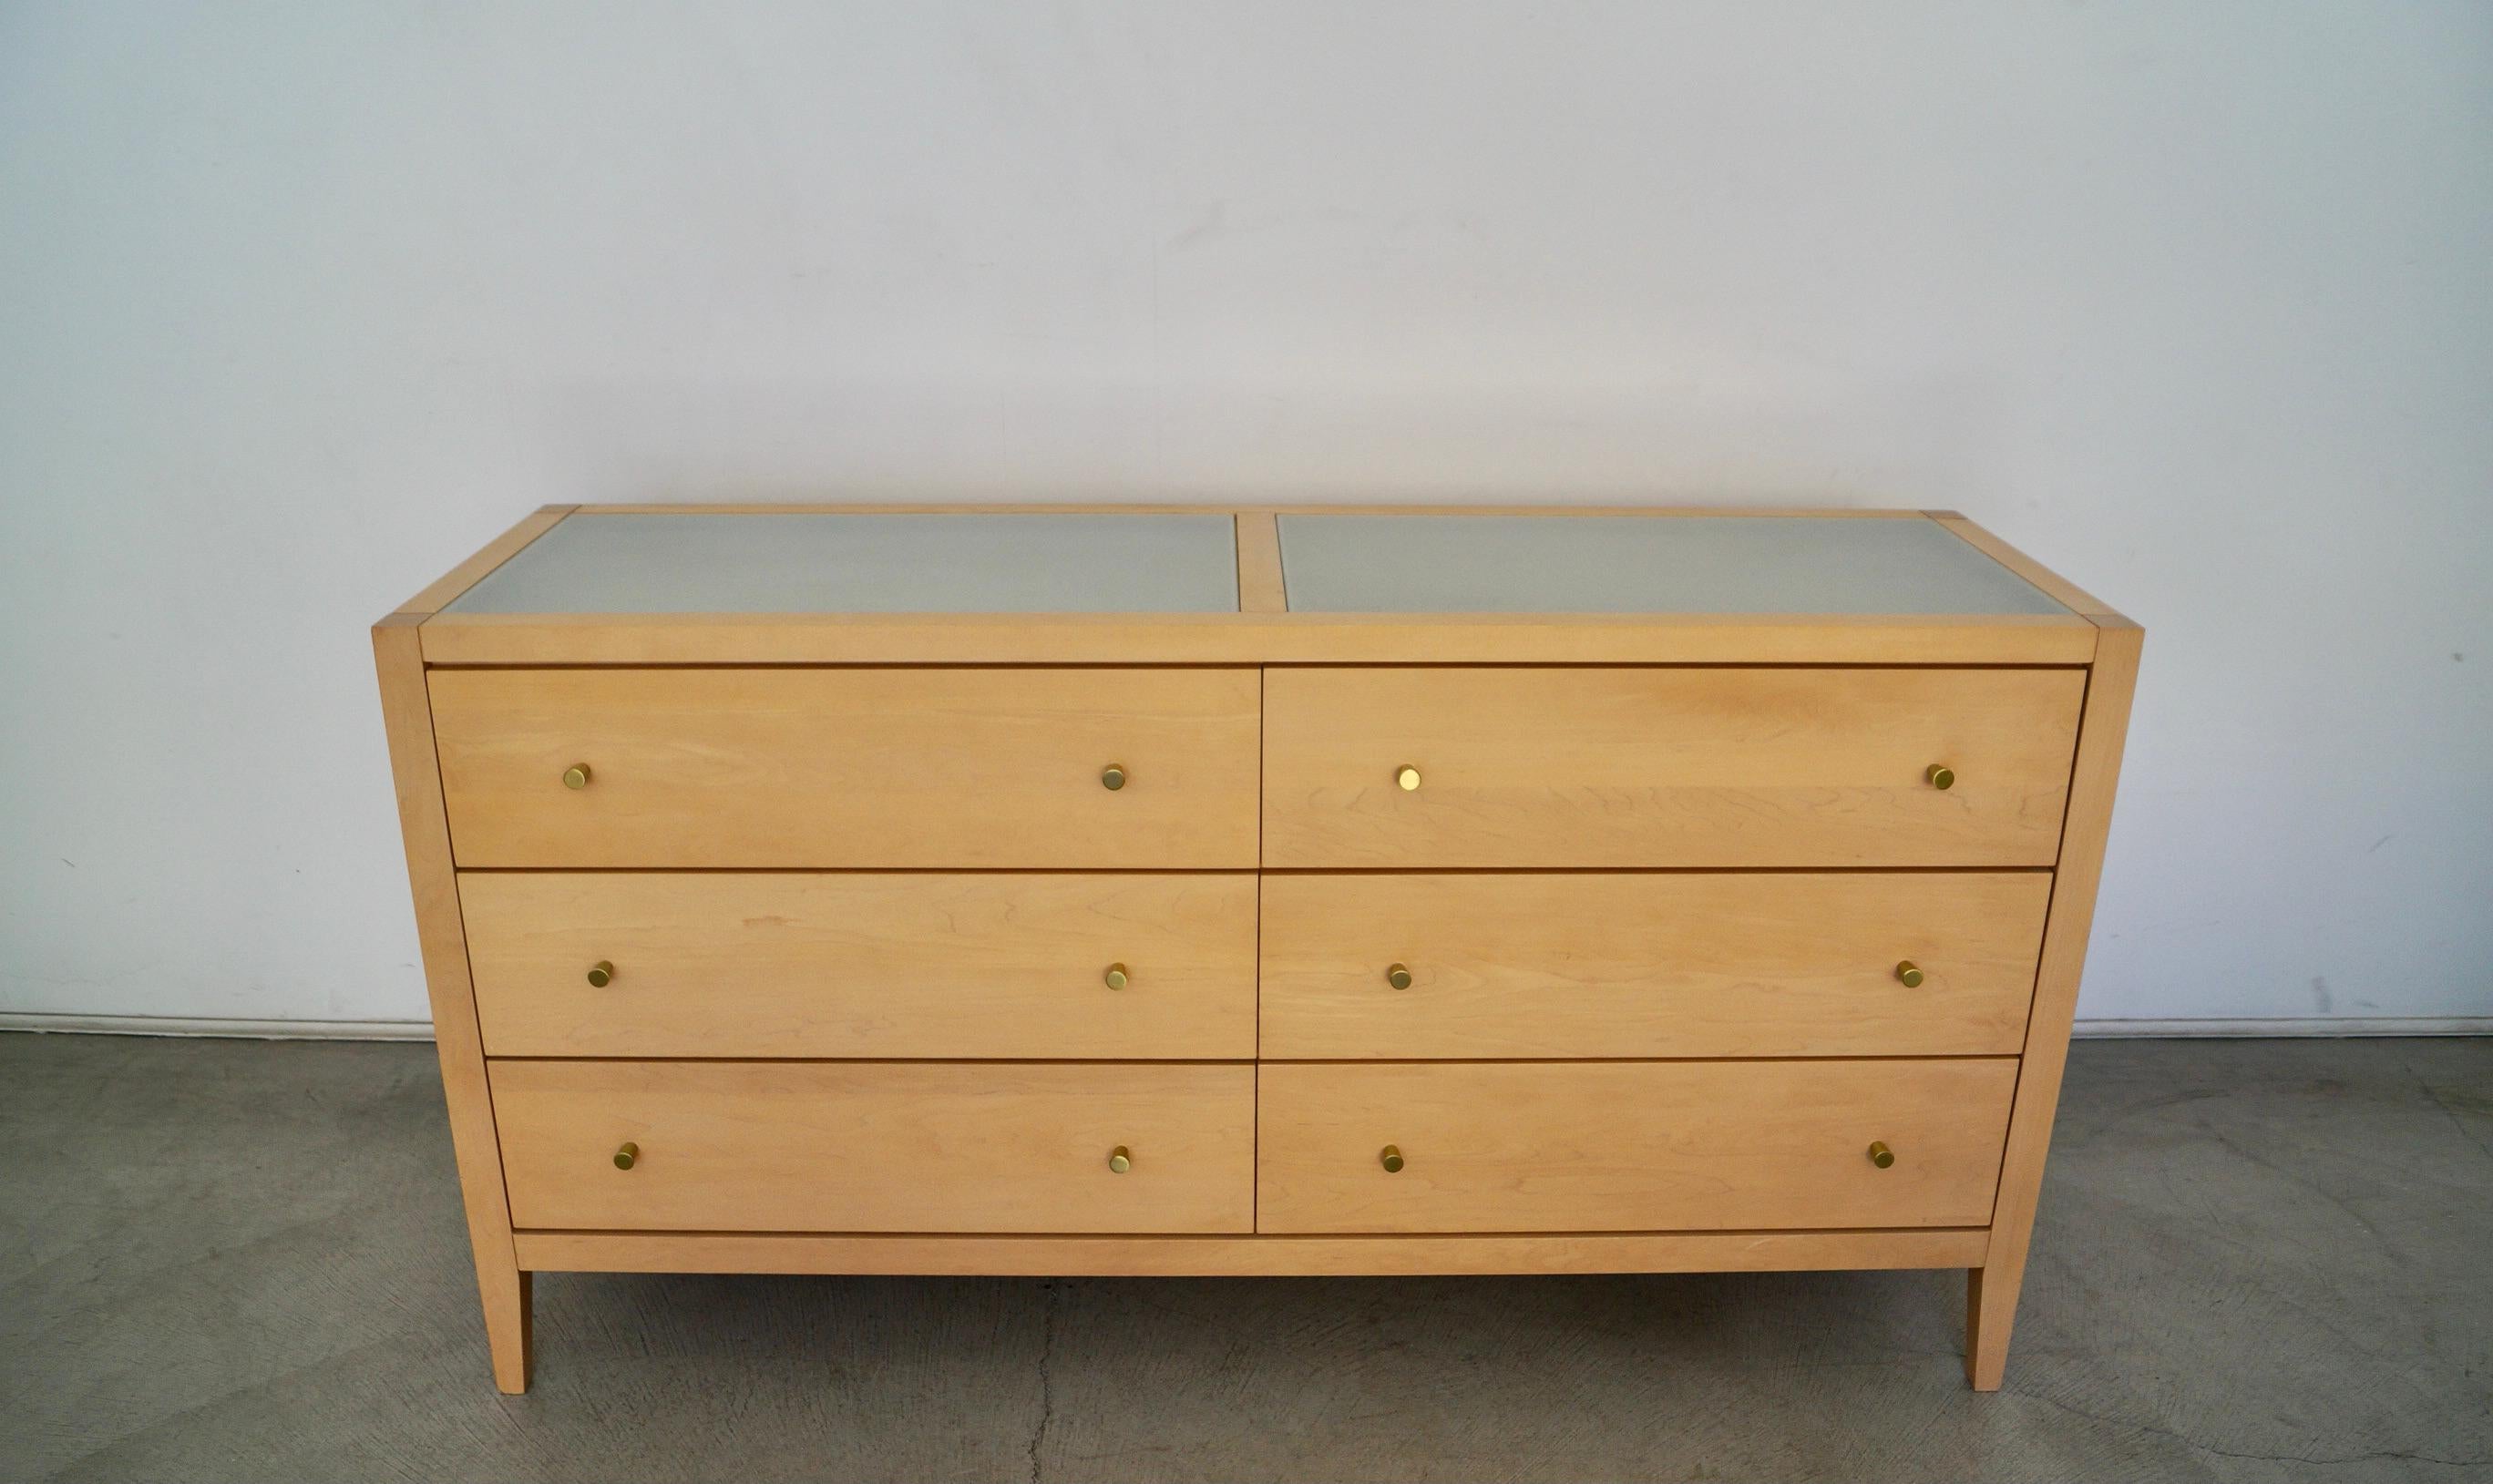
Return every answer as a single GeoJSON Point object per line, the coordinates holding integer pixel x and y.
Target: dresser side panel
{"type": "Point", "coordinates": [441, 935]}
{"type": "Point", "coordinates": [1991, 1306]}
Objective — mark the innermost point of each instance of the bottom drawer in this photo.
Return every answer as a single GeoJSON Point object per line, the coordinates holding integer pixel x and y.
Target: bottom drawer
{"type": "Point", "coordinates": [861, 1146]}
{"type": "Point", "coordinates": [1631, 1146]}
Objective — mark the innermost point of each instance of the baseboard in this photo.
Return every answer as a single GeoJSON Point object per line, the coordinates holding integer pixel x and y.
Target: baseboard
{"type": "Point", "coordinates": [243, 1030]}
{"type": "Point", "coordinates": [422, 1031]}
{"type": "Point", "coordinates": [2296, 1025]}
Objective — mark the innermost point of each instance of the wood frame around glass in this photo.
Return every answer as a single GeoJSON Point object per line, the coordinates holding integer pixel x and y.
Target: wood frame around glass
{"type": "Point", "coordinates": [1263, 632]}
{"type": "Point", "coordinates": [419, 636]}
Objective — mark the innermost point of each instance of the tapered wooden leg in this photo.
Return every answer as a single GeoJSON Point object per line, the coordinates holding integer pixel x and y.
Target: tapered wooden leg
{"type": "Point", "coordinates": [506, 1326]}
{"type": "Point", "coordinates": [440, 933]}
{"type": "Point", "coordinates": [1989, 1312]}
{"type": "Point", "coordinates": [1991, 1292]}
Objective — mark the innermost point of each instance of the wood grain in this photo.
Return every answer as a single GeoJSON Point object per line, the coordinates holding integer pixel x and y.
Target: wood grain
{"type": "Point", "coordinates": [877, 1147]}
{"type": "Point", "coordinates": [920, 965]}
{"type": "Point", "coordinates": [972, 769]}
{"type": "Point", "coordinates": [1259, 565]}
{"type": "Point", "coordinates": [1648, 1252]}
{"type": "Point", "coordinates": [1253, 639]}
{"type": "Point", "coordinates": [1991, 1300]}
{"type": "Point", "coordinates": [1621, 965]}
{"type": "Point", "coordinates": [1628, 1145]}
{"type": "Point", "coordinates": [501, 1284]}
{"type": "Point", "coordinates": [1573, 768]}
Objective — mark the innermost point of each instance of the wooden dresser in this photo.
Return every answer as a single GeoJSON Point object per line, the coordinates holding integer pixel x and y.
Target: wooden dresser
{"type": "Point", "coordinates": [1231, 891]}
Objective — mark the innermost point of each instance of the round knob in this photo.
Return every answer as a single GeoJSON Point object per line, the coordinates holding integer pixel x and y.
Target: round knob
{"type": "Point", "coordinates": [1113, 777]}
{"type": "Point", "coordinates": [626, 1156]}
{"type": "Point", "coordinates": [1939, 775]}
{"type": "Point", "coordinates": [1881, 1155]}
{"type": "Point", "coordinates": [1408, 777]}
{"type": "Point", "coordinates": [1911, 973]}
{"type": "Point", "coordinates": [1121, 1159]}
{"type": "Point", "coordinates": [1390, 1157]}
{"type": "Point", "coordinates": [601, 973]}
{"type": "Point", "coordinates": [1116, 976]}
{"type": "Point", "coordinates": [576, 776]}
{"type": "Point", "coordinates": [1398, 975]}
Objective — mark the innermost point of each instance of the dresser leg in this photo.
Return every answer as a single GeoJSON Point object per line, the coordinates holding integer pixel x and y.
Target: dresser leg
{"type": "Point", "coordinates": [441, 934]}
{"type": "Point", "coordinates": [506, 1326]}
{"type": "Point", "coordinates": [1991, 1290]}
{"type": "Point", "coordinates": [1989, 1312]}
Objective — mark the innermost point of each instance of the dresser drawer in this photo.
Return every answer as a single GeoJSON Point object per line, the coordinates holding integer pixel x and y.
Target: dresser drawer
{"type": "Point", "coordinates": [970, 768]}
{"type": "Point", "coordinates": [850, 1147]}
{"type": "Point", "coordinates": [858, 964]}
{"type": "Point", "coordinates": [1666, 767]}
{"type": "Point", "coordinates": [1620, 964]}
{"type": "Point", "coordinates": [1629, 1146]}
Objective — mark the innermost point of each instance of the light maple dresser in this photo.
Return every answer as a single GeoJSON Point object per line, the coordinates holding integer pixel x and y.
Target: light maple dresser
{"type": "Point", "coordinates": [1234, 891]}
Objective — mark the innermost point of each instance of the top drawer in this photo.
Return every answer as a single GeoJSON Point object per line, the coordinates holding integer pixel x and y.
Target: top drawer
{"type": "Point", "coordinates": [832, 768]}
{"type": "Point", "coordinates": [1664, 767]}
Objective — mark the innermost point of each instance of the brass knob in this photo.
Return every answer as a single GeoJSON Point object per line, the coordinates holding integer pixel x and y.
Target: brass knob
{"type": "Point", "coordinates": [1390, 1157]}
{"type": "Point", "coordinates": [1113, 777]}
{"type": "Point", "coordinates": [1911, 973]}
{"type": "Point", "coordinates": [576, 776]}
{"type": "Point", "coordinates": [1408, 777]}
{"type": "Point", "coordinates": [1116, 976]}
{"type": "Point", "coordinates": [601, 973]}
{"type": "Point", "coordinates": [1121, 1159]}
{"type": "Point", "coordinates": [1939, 775]}
{"type": "Point", "coordinates": [1881, 1155]}
{"type": "Point", "coordinates": [1398, 975]}
{"type": "Point", "coordinates": [626, 1155]}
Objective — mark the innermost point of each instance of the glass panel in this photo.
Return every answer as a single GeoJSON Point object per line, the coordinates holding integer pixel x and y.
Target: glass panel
{"type": "Point", "coordinates": [832, 563]}
{"type": "Point", "coordinates": [1642, 564]}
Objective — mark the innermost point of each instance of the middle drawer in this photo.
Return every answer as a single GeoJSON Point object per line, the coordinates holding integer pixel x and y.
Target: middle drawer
{"type": "Point", "coordinates": [870, 965]}
{"type": "Point", "coordinates": [1639, 964]}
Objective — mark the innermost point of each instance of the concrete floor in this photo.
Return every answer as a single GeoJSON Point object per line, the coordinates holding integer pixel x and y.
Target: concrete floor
{"type": "Point", "coordinates": [245, 1260]}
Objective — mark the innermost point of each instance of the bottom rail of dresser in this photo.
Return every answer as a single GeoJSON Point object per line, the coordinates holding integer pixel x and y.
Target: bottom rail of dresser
{"type": "Point", "coordinates": [1264, 1255]}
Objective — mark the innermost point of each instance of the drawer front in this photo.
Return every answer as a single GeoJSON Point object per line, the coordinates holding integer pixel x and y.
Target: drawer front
{"type": "Point", "coordinates": [1670, 767]}
{"type": "Point", "coordinates": [1750, 963]}
{"type": "Point", "coordinates": [861, 1146]}
{"type": "Point", "coordinates": [1629, 1146]}
{"type": "Point", "coordinates": [918, 964]}
{"type": "Point", "coordinates": [970, 768]}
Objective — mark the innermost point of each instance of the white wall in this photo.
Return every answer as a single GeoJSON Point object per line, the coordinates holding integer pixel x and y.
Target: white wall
{"type": "Point", "coordinates": [301, 303]}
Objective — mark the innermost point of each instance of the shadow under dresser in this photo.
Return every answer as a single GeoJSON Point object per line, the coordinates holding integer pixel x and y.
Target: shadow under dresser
{"type": "Point", "coordinates": [1301, 890]}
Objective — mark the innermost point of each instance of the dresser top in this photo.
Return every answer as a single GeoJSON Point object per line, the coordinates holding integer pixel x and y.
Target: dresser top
{"type": "Point", "coordinates": [1226, 585]}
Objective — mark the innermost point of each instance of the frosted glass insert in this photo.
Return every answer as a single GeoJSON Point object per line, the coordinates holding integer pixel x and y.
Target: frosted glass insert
{"type": "Point", "coordinates": [832, 563]}
{"type": "Point", "coordinates": [1642, 564]}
